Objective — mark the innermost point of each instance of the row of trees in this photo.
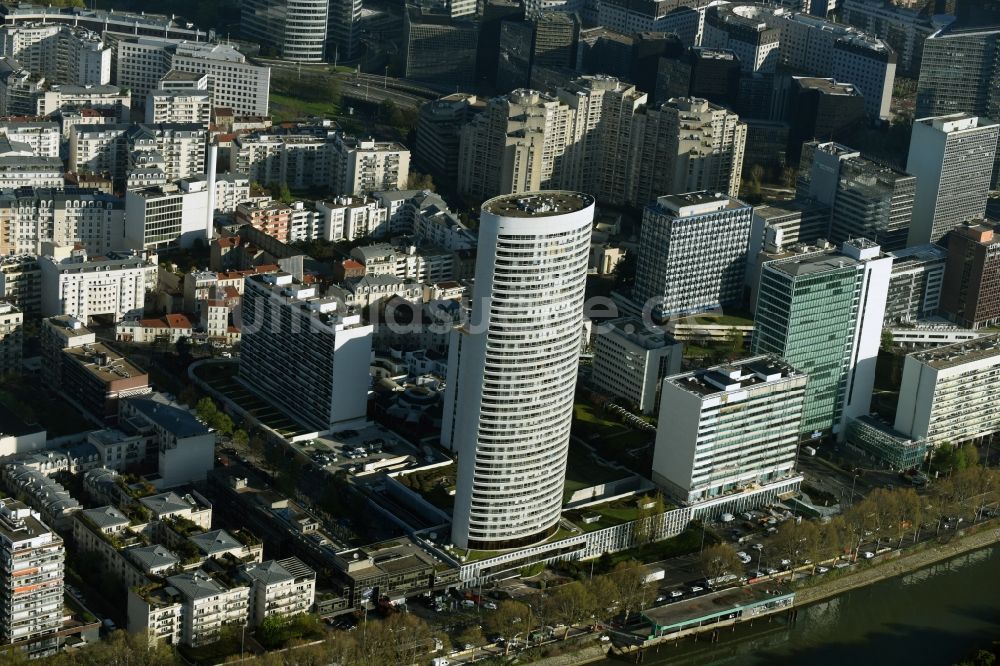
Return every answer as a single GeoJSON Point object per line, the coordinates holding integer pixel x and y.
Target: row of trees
{"type": "Point", "coordinates": [884, 516]}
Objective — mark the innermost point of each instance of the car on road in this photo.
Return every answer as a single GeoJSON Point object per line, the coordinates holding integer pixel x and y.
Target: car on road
{"type": "Point", "coordinates": [868, 554]}
{"type": "Point", "coordinates": [744, 558]}
{"type": "Point", "coordinates": [489, 605]}
{"type": "Point", "coordinates": [660, 599]}
{"type": "Point", "coordinates": [674, 594]}
{"type": "Point", "coordinates": [758, 546]}
{"type": "Point", "coordinates": [821, 570]}
{"type": "Point", "coordinates": [771, 571]}
{"type": "Point", "coordinates": [695, 589]}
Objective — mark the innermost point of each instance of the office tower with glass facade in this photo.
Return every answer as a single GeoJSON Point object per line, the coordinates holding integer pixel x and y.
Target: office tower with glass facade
{"type": "Point", "coordinates": [952, 157]}
{"type": "Point", "coordinates": [512, 369]}
{"type": "Point", "coordinates": [692, 254]}
{"type": "Point", "coordinates": [823, 313]}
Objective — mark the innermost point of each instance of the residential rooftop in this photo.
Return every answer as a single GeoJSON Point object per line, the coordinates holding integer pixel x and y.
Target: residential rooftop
{"type": "Point", "coordinates": [736, 376]}
{"type": "Point", "coordinates": [961, 353]}
{"type": "Point", "coordinates": [103, 362]}
{"type": "Point", "coordinates": [538, 204]}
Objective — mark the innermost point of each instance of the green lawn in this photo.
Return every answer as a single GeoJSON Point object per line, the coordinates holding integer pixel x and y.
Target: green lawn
{"type": "Point", "coordinates": [583, 470]}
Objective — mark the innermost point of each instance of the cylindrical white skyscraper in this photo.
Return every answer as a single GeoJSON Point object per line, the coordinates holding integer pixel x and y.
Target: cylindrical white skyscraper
{"type": "Point", "coordinates": [510, 402]}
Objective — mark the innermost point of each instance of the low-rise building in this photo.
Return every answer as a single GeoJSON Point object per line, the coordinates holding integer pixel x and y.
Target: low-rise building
{"type": "Point", "coordinates": [631, 360]}
{"type": "Point", "coordinates": [279, 587]}
{"type": "Point", "coordinates": [185, 446]}
{"type": "Point", "coordinates": [95, 377]}
{"type": "Point", "coordinates": [888, 448]}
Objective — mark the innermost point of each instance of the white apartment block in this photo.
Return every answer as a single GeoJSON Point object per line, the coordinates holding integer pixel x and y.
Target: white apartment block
{"type": "Point", "coordinates": [279, 587]}
{"type": "Point", "coordinates": [692, 254]}
{"type": "Point", "coordinates": [727, 428]}
{"type": "Point", "coordinates": [426, 216]}
{"type": "Point", "coordinates": [191, 609]}
{"type": "Point", "coordinates": [631, 359]}
{"type": "Point", "coordinates": [349, 218]}
{"type": "Point", "coordinates": [74, 285]}
{"type": "Point", "coordinates": [42, 136]}
{"type": "Point", "coordinates": [231, 189]}
{"type": "Point", "coordinates": [303, 353]}
{"type": "Point", "coordinates": [168, 216]}
{"type": "Point", "coordinates": [948, 394]}
{"type": "Point", "coordinates": [30, 217]}
{"type": "Point", "coordinates": [60, 53]}
{"type": "Point", "coordinates": [370, 289]}
{"type": "Point", "coordinates": [169, 106]}
{"type": "Point", "coordinates": [361, 166]}
{"type": "Point", "coordinates": [233, 81]}
{"type": "Point", "coordinates": [31, 580]}
{"type": "Point", "coordinates": [304, 222]}
{"type": "Point", "coordinates": [600, 136]}
{"type": "Point", "coordinates": [109, 98]}
{"type": "Point", "coordinates": [113, 149]}
{"type": "Point", "coordinates": [514, 145]}
{"type": "Point", "coordinates": [20, 167]}
{"type": "Point", "coordinates": [301, 156]}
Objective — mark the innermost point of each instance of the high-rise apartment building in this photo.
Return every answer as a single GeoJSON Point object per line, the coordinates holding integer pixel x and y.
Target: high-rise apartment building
{"type": "Point", "coordinates": [686, 145]}
{"type": "Point", "coordinates": [31, 580]}
{"type": "Point", "coordinates": [970, 295]}
{"type": "Point", "coordinates": [948, 394]}
{"type": "Point", "coordinates": [692, 254]}
{"type": "Point", "coordinates": [514, 145]}
{"type": "Point", "coordinates": [749, 31]}
{"type": "Point", "coordinates": [728, 427]}
{"type": "Point", "coordinates": [59, 53]}
{"type": "Point", "coordinates": [915, 283]}
{"type": "Point", "coordinates": [439, 132]}
{"type": "Point", "coordinates": [305, 354]}
{"type": "Point", "coordinates": [512, 370]}
{"type": "Point", "coordinates": [600, 134]}
{"type": "Point", "coordinates": [822, 312]}
{"type": "Point", "coordinates": [292, 29]}
{"type": "Point", "coordinates": [958, 73]}
{"type": "Point", "coordinates": [952, 157]}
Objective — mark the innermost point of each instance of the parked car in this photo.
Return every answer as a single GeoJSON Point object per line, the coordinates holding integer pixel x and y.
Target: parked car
{"type": "Point", "coordinates": [821, 570]}
{"type": "Point", "coordinates": [674, 594]}
{"type": "Point", "coordinates": [868, 554]}
{"type": "Point", "coordinates": [758, 546]}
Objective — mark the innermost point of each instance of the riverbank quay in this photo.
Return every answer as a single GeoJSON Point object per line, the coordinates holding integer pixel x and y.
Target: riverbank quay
{"type": "Point", "coordinates": [896, 563]}
{"type": "Point", "coordinates": [816, 588]}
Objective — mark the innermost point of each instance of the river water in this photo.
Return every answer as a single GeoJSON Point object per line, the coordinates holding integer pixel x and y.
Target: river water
{"type": "Point", "coordinates": [937, 615]}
